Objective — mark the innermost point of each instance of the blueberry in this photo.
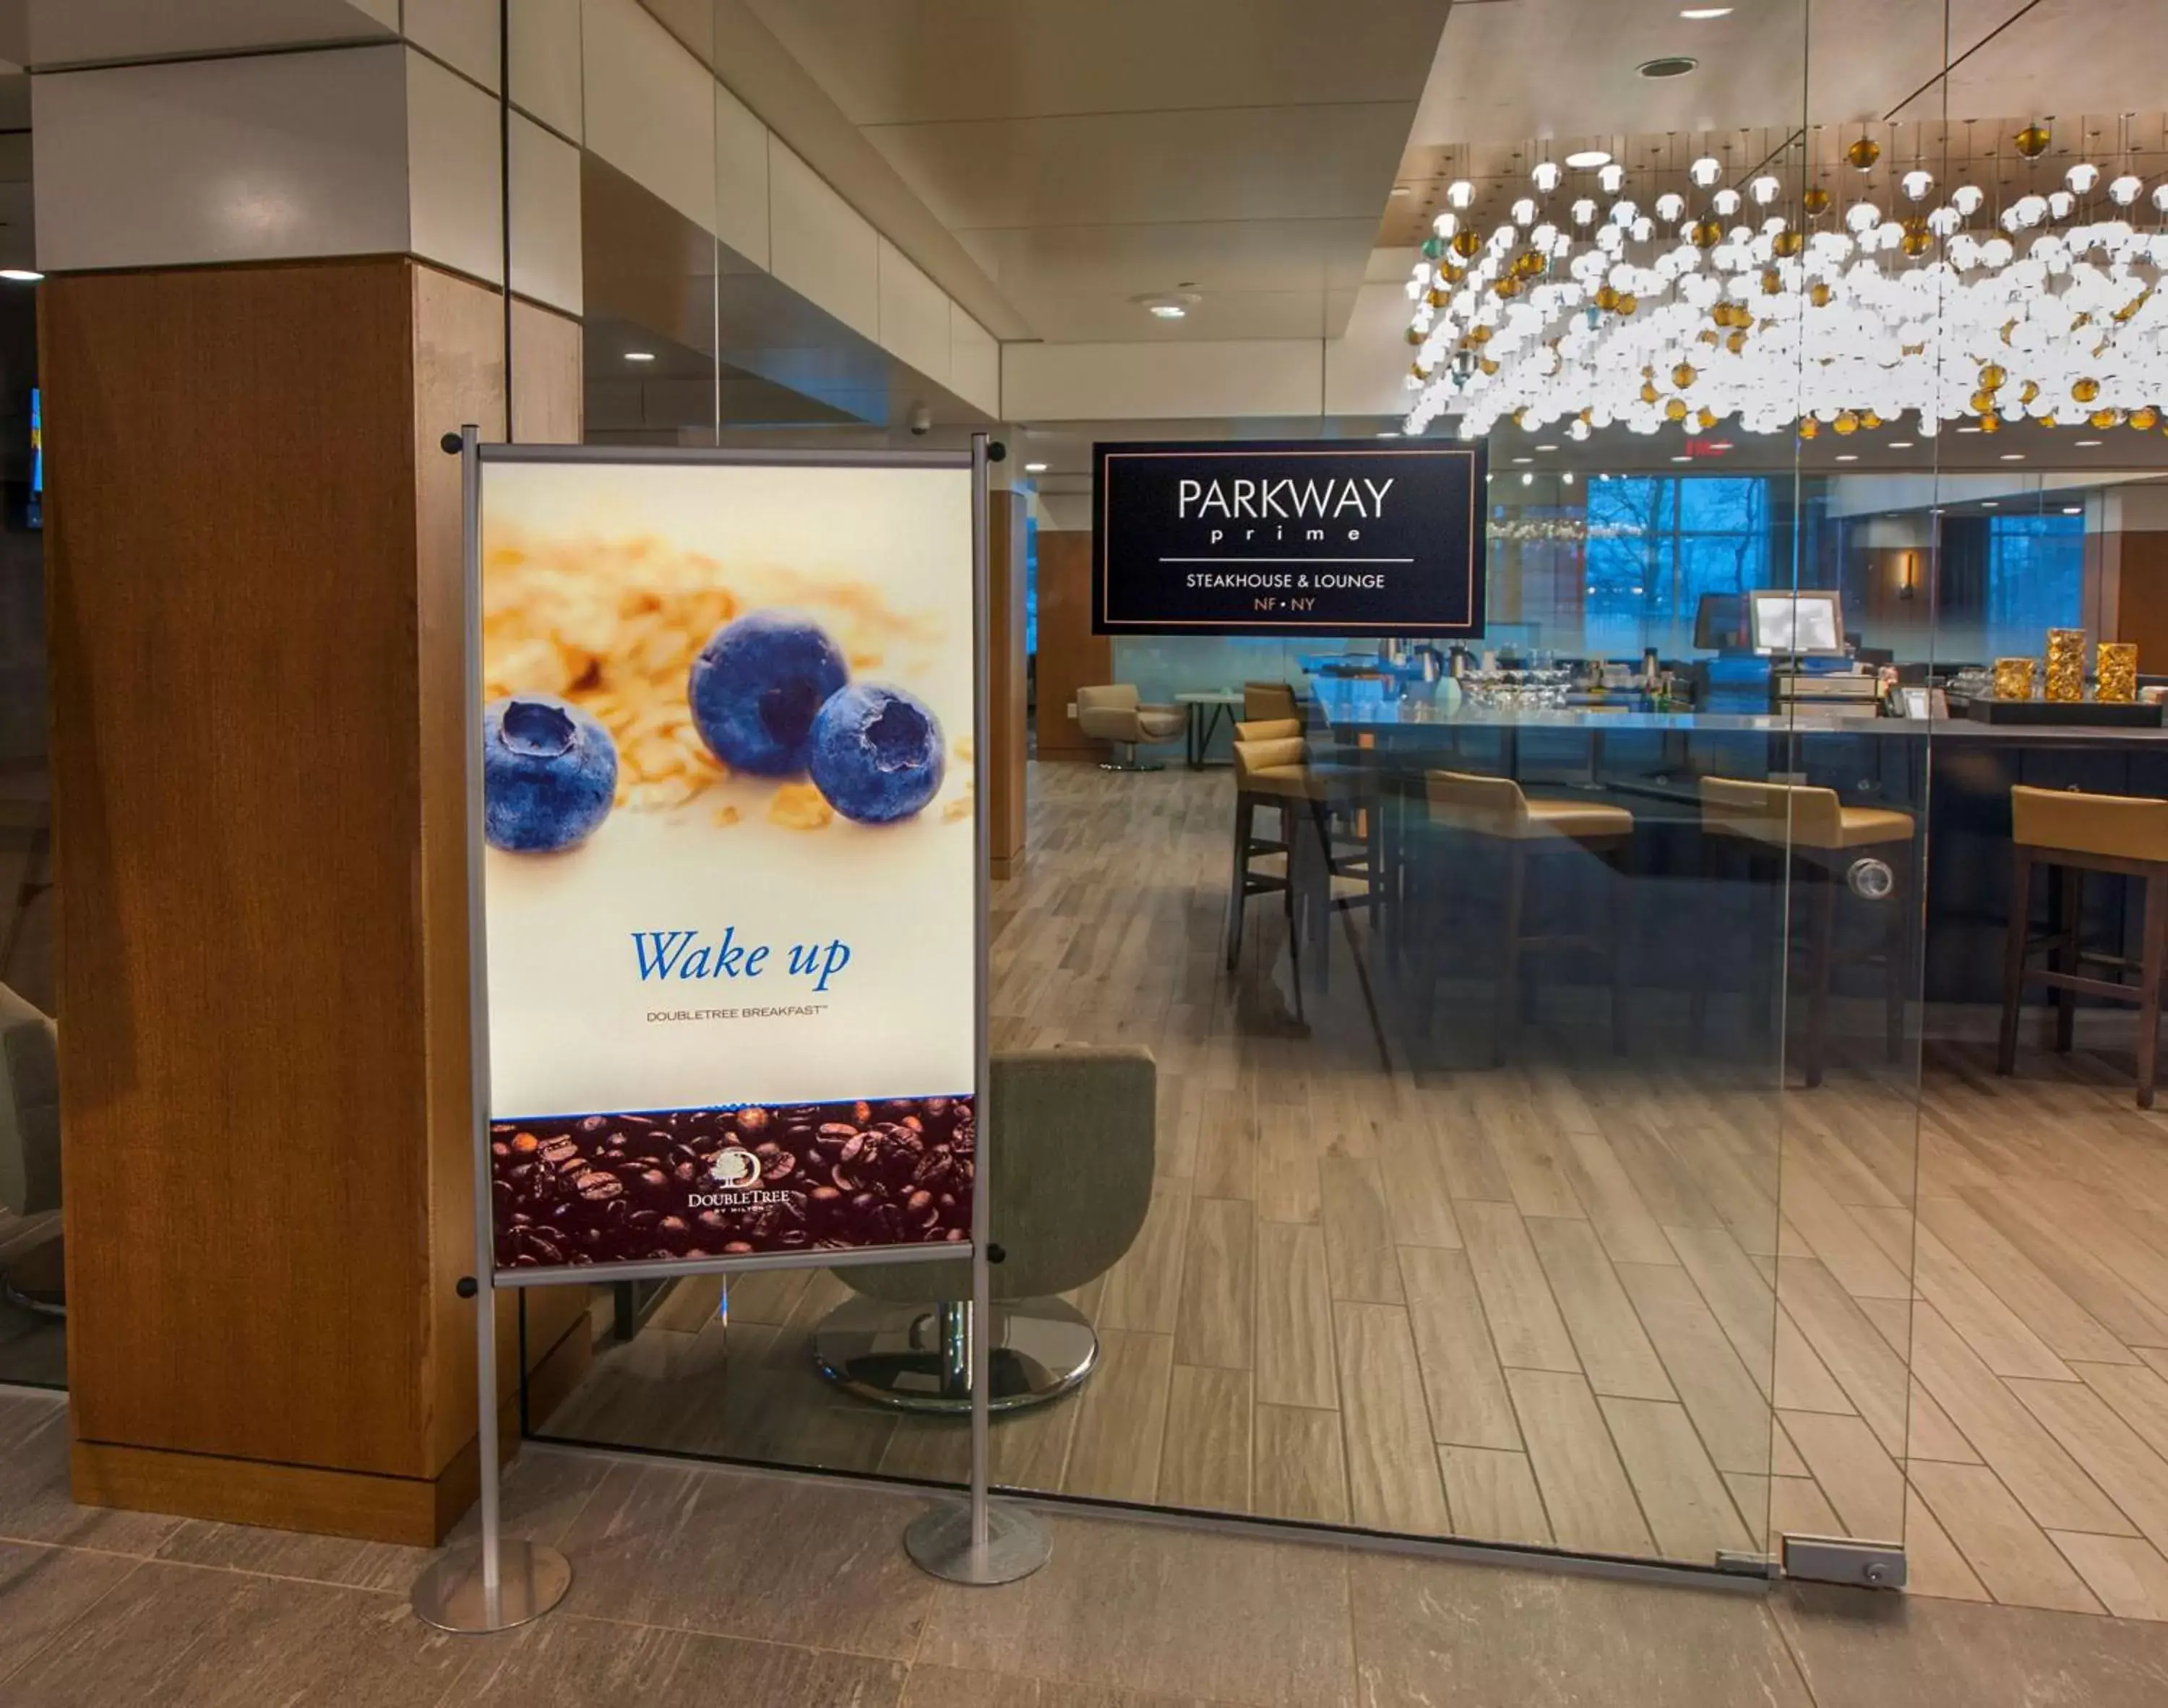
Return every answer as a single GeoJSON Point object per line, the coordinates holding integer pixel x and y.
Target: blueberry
{"type": "Point", "coordinates": [876, 754]}
{"type": "Point", "coordinates": [548, 774]}
{"type": "Point", "coordinates": [755, 687]}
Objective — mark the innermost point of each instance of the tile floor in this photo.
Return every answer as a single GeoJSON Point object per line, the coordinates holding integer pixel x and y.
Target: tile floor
{"type": "Point", "coordinates": [698, 1585]}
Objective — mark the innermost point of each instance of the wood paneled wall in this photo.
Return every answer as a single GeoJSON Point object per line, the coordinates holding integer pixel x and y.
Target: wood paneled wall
{"type": "Point", "coordinates": [1070, 655]}
{"type": "Point", "coordinates": [2141, 595]}
{"type": "Point", "coordinates": [254, 556]}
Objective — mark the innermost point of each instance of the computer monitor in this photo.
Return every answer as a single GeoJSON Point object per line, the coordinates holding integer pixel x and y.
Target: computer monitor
{"type": "Point", "coordinates": [1782, 621]}
{"type": "Point", "coordinates": [1720, 623]}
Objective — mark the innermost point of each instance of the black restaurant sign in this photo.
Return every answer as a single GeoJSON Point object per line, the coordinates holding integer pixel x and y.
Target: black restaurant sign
{"type": "Point", "coordinates": [1287, 539]}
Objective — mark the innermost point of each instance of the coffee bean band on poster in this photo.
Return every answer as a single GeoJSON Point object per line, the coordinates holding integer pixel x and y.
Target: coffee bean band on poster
{"type": "Point", "coordinates": [729, 1182]}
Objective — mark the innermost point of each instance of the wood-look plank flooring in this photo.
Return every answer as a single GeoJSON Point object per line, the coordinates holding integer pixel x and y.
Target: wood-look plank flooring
{"type": "Point", "coordinates": [1645, 1305]}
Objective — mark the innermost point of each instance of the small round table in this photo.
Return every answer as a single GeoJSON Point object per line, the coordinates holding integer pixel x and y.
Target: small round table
{"type": "Point", "coordinates": [1221, 703]}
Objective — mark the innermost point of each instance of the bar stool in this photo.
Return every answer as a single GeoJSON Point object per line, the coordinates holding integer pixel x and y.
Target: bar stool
{"type": "Point", "coordinates": [2122, 835]}
{"type": "Point", "coordinates": [1272, 769]}
{"type": "Point", "coordinates": [1495, 810]}
{"type": "Point", "coordinates": [1821, 838]}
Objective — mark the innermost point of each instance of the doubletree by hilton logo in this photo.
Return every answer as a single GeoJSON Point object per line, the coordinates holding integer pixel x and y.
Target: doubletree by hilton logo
{"type": "Point", "coordinates": [734, 1167]}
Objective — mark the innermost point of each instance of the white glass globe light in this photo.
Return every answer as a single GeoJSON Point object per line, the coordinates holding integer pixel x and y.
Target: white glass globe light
{"type": "Point", "coordinates": [2082, 177]}
{"type": "Point", "coordinates": [1916, 183]}
{"type": "Point", "coordinates": [1546, 176]}
{"type": "Point", "coordinates": [1764, 189]}
{"type": "Point", "coordinates": [1460, 192]}
{"type": "Point", "coordinates": [1967, 200]}
{"type": "Point", "coordinates": [1706, 171]}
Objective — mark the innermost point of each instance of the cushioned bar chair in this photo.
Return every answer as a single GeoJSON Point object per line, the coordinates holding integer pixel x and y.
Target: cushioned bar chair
{"type": "Point", "coordinates": [1069, 1135]}
{"type": "Point", "coordinates": [1262, 702]}
{"type": "Point", "coordinates": [1274, 771]}
{"type": "Point", "coordinates": [1823, 840]}
{"type": "Point", "coordinates": [1113, 714]}
{"type": "Point", "coordinates": [30, 1149]}
{"type": "Point", "coordinates": [2124, 837]}
{"type": "Point", "coordinates": [1495, 810]}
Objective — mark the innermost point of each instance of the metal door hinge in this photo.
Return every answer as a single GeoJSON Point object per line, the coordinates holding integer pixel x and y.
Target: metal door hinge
{"type": "Point", "coordinates": [1839, 1560]}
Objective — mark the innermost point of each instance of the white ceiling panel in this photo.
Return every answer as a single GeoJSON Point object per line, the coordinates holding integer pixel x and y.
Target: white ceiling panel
{"type": "Point", "coordinates": [1211, 257]}
{"type": "Point", "coordinates": [1065, 318]}
{"type": "Point", "coordinates": [1241, 163]}
{"type": "Point", "coordinates": [914, 61]}
{"type": "Point", "coordinates": [2061, 59]}
{"type": "Point", "coordinates": [1088, 154]}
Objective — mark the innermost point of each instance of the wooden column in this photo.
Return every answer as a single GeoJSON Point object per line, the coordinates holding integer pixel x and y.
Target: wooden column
{"type": "Point", "coordinates": [1070, 655]}
{"type": "Point", "coordinates": [1009, 725]}
{"type": "Point", "coordinates": [255, 638]}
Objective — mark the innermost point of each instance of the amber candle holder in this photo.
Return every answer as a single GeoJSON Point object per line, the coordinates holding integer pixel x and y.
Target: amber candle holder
{"type": "Point", "coordinates": [2013, 678]}
{"type": "Point", "coordinates": [2118, 672]}
{"type": "Point", "coordinates": [2066, 664]}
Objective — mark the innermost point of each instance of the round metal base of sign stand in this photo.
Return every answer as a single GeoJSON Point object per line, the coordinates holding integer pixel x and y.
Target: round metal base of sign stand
{"type": "Point", "coordinates": [939, 1541]}
{"type": "Point", "coordinates": [531, 1578]}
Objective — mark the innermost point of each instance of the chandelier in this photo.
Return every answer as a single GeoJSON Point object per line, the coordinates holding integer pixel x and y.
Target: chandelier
{"type": "Point", "coordinates": [1725, 311]}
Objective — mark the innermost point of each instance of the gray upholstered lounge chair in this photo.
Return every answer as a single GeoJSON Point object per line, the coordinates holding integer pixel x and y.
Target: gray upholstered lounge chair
{"type": "Point", "coordinates": [1069, 1138]}
{"type": "Point", "coordinates": [31, 1147]}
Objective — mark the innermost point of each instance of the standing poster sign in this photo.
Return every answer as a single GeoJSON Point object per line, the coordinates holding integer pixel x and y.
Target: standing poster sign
{"type": "Point", "coordinates": [728, 730]}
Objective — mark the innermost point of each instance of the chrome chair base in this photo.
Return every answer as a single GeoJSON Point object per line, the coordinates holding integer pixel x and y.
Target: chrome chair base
{"type": "Point", "coordinates": [916, 1358]}
{"type": "Point", "coordinates": [1128, 761]}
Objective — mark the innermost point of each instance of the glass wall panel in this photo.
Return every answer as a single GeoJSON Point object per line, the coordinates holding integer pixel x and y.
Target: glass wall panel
{"type": "Point", "coordinates": [33, 1339]}
{"type": "Point", "coordinates": [1578, 1117]}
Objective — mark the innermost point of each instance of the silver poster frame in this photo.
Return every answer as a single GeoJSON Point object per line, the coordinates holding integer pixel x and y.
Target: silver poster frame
{"type": "Point", "coordinates": [492, 1585]}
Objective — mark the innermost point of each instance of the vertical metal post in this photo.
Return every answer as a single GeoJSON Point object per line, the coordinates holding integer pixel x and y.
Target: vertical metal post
{"type": "Point", "coordinates": [483, 1586]}
{"type": "Point", "coordinates": [977, 1543]}
{"type": "Point", "coordinates": [982, 1197]}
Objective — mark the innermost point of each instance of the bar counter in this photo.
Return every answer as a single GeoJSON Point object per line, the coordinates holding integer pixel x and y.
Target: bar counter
{"type": "Point", "coordinates": [1953, 774]}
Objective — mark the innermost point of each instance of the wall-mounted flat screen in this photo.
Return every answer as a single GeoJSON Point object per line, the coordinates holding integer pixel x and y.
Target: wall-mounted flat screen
{"type": "Point", "coordinates": [1292, 538]}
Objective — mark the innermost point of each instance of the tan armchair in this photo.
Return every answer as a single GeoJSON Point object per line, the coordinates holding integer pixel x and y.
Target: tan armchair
{"type": "Point", "coordinates": [1113, 714]}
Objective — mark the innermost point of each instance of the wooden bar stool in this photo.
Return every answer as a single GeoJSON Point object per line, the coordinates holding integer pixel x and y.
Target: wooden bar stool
{"type": "Point", "coordinates": [1495, 810]}
{"type": "Point", "coordinates": [1821, 838]}
{"type": "Point", "coordinates": [2122, 835]}
{"type": "Point", "coordinates": [1272, 769]}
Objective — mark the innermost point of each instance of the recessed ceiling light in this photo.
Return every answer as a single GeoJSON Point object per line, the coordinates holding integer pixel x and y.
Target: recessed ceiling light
{"type": "Point", "coordinates": [1682, 459]}
{"type": "Point", "coordinates": [20, 275]}
{"type": "Point", "coordinates": [1588, 159]}
{"type": "Point", "coordinates": [1034, 468]}
{"type": "Point", "coordinates": [1672, 65]}
{"type": "Point", "coordinates": [2087, 444]}
{"type": "Point", "coordinates": [1168, 311]}
{"type": "Point", "coordinates": [1969, 430]}
{"type": "Point", "coordinates": [1524, 459]}
{"type": "Point", "coordinates": [2013, 456]}
{"type": "Point", "coordinates": [1546, 447]}
{"type": "Point", "coordinates": [1400, 189]}
{"type": "Point", "coordinates": [1899, 445]}
{"type": "Point", "coordinates": [1167, 306]}
{"type": "Point", "coordinates": [1702, 14]}
{"type": "Point", "coordinates": [1528, 480]}
{"type": "Point", "coordinates": [1389, 434]}
{"type": "Point", "coordinates": [2074, 510]}
{"type": "Point", "coordinates": [1990, 504]}
{"type": "Point", "coordinates": [639, 355]}
{"type": "Point", "coordinates": [1847, 456]}
{"type": "Point", "coordinates": [1720, 446]}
